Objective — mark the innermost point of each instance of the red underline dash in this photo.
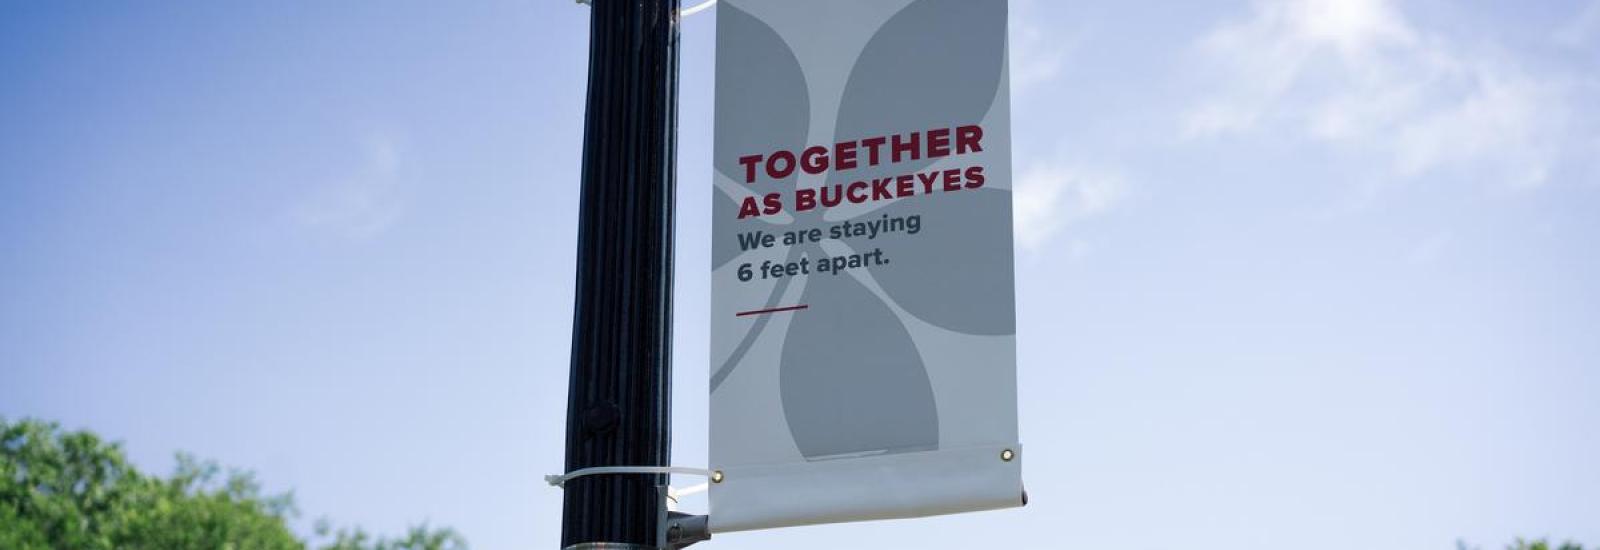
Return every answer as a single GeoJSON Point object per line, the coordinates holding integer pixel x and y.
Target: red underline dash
{"type": "Point", "coordinates": [771, 310]}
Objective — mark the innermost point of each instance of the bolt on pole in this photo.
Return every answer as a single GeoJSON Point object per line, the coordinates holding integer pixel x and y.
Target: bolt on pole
{"type": "Point", "coordinates": [618, 409]}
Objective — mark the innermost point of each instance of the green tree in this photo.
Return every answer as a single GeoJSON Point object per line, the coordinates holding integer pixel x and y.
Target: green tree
{"type": "Point", "coordinates": [418, 538]}
{"type": "Point", "coordinates": [1542, 544]}
{"type": "Point", "coordinates": [72, 490]}
{"type": "Point", "coordinates": [1523, 544]}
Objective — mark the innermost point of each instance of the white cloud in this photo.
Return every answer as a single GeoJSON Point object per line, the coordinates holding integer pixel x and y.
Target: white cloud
{"type": "Point", "coordinates": [364, 204]}
{"type": "Point", "coordinates": [1037, 53]}
{"type": "Point", "coordinates": [1359, 75]}
{"type": "Point", "coordinates": [1048, 197]}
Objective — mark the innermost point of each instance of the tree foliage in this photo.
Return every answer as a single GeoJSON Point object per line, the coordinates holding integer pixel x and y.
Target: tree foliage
{"type": "Point", "coordinates": [1542, 544]}
{"type": "Point", "coordinates": [74, 490]}
{"type": "Point", "coordinates": [418, 538]}
{"type": "Point", "coordinates": [1525, 544]}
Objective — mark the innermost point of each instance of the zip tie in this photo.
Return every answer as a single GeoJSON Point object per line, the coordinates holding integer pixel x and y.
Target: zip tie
{"type": "Point", "coordinates": [686, 491]}
{"type": "Point", "coordinates": [561, 480]}
{"type": "Point", "coordinates": [696, 9]}
{"type": "Point", "coordinates": [682, 12]}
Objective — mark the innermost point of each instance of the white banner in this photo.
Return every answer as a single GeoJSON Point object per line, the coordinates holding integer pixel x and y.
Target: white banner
{"type": "Point", "coordinates": [863, 305]}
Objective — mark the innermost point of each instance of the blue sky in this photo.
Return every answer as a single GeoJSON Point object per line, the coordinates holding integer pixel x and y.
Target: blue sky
{"type": "Point", "coordinates": [1318, 273]}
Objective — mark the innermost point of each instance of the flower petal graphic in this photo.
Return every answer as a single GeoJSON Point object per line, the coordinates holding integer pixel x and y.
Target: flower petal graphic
{"type": "Point", "coordinates": [897, 84]}
{"type": "Point", "coordinates": [850, 377]}
{"type": "Point", "coordinates": [955, 284]}
{"type": "Point", "coordinates": [757, 328]}
{"type": "Point", "coordinates": [772, 110]}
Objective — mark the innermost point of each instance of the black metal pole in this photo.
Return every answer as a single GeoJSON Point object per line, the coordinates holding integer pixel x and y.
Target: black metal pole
{"type": "Point", "coordinates": [618, 411]}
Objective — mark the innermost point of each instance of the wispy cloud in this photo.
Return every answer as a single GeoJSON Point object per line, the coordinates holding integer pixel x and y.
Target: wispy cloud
{"type": "Point", "coordinates": [1037, 53]}
{"type": "Point", "coordinates": [1050, 197]}
{"type": "Point", "coordinates": [364, 203]}
{"type": "Point", "coordinates": [1054, 192]}
{"type": "Point", "coordinates": [1358, 74]}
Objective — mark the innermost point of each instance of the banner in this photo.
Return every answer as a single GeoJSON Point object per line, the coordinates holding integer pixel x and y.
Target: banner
{"type": "Point", "coordinates": [863, 306]}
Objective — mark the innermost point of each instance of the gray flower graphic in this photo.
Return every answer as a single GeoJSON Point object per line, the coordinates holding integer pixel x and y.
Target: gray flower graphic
{"type": "Point", "coordinates": [850, 376]}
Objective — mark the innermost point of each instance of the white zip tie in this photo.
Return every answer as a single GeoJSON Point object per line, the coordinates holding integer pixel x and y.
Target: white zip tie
{"type": "Point", "coordinates": [686, 491]}
{"type": "Point", "coordinates": [696, 9]}
{"type": "Point", "coordinates": [561, 480]}
{"type": "Point", "coordinates": [675, 493]}
{"type": "Point", "coordinates": [682, 13]}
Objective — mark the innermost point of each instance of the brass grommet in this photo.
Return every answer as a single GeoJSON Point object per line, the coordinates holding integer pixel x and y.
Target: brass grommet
{"type": "Point", "coordinates": [1007, 455]}
{"type": "Point", "coordinates": [716, 477]}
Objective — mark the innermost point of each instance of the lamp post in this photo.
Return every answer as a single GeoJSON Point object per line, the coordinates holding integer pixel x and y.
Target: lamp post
{"type": "Point", "coordinates": [618, 409]}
